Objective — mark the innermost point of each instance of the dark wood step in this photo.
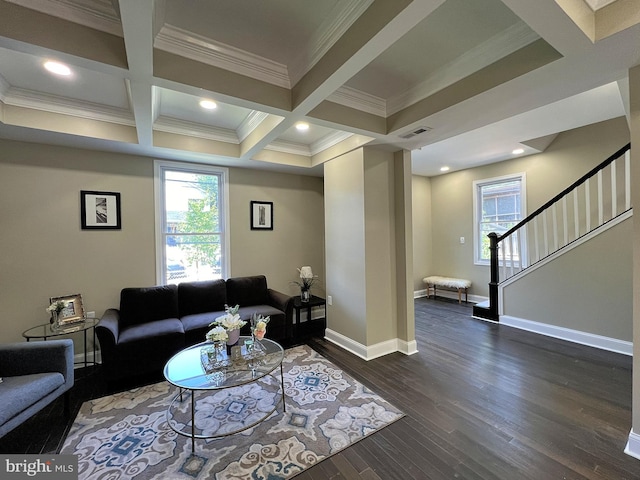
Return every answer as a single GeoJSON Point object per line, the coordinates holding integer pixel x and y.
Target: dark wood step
{"type": "Point", "coordinates": [483, 310]}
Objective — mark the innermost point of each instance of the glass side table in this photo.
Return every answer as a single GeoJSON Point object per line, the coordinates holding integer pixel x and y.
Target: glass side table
{"type": "Point", "coordinates": [46, 331]}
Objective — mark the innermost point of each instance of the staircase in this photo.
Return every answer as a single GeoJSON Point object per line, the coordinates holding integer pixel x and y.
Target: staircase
{"type": "Point", "coordinates": [597, 198]}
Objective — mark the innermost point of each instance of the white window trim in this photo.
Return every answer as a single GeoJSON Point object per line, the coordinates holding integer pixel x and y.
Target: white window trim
{"type": "Point", "coordinates": [523, 205]}
{"type": "Point", "coordinates": [158, 184]}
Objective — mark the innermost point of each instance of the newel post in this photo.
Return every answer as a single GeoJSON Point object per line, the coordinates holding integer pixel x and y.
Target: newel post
{"type": "Point", "coordinates": [493, 284]}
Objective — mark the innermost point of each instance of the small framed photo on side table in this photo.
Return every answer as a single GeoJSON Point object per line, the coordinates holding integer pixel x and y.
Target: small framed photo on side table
{"type": "Point", "coordinates": [100, 210]}
{"type": "Point", "coordinates": [73, 311]}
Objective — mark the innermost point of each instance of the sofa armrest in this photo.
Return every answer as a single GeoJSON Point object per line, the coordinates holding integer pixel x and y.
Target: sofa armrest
{"type": "Point", "coordinates": [38, 357]}
{"type": "Point", "coordinates": [108, 332]}
{"type": "Point", "coordinates": [285, 303]}
{"type": "Point", "coordinates": [279, 300]}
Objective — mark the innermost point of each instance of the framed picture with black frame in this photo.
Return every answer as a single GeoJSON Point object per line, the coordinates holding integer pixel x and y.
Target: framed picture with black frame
{"type": "Point", "coordinates": [100, 210]}
{"type": "Point", "coordinates": [261, 215]}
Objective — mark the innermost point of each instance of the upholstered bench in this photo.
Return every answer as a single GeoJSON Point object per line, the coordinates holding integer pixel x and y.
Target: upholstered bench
{"type": "Point", "coordinates": [458, 284]}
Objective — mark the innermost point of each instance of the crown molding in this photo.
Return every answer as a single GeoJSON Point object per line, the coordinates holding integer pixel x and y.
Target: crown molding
{"type": "Point", "coordinates": [197, 130]}
{"type": "Point", "coordinates": [336, 24]}
{"type": "Point", "coordinates": [4, 88]}
{"type": "Point", "coordinates": [488, 52]}
{"type": "Point", "coordinates": [350, 97]}
{"type": "Point", "coordinates": [96, 14]}
{"type": "Point", "coordinates": [328, 141]}
{"type": "Point", "coordinates": [77, 108]}
{"type": "Point", "coordinates": [284, 146]}
{"type": "Point", "coordinates": [250, 123]}
{"type": "Point", "coordinates": [205, 50]}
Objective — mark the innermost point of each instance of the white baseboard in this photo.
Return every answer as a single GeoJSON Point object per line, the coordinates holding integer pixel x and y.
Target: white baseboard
{"type": "Point", "coordinates": [372, 351]}
{"type": "Point", "coordinates": [451, 294]}
{"type": "Point", "coordinates": [575, 336]}
{"type": "Point", "coordinates": [633, 445]}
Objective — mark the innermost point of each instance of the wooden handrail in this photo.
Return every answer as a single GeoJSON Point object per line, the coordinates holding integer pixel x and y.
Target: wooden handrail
{"type": "Point", "coordinates": [570, 188]}
{"type": "Point", "coordinates": [495, 239]}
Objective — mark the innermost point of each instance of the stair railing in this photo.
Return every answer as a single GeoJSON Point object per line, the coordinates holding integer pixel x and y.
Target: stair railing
{"type": "Point", "coordinates": [596, 198]}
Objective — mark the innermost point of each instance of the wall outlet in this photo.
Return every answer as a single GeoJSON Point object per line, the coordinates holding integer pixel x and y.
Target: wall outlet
{"type": "Point", "coordinates": [461, 240]}
{"type": "Point", "coordinates": [91, 314]}
{"type": "Point", "coordinates": [329, 300]}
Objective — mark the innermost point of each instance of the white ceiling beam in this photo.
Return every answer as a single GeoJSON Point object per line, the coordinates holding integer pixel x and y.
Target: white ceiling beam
{"type": "Point", "coordinates": [376, 30]}
{"type": "Point", "coordinates": [137, 25]}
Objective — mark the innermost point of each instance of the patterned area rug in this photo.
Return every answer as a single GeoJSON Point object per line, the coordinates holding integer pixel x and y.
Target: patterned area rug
{"type": "Point", "coordinates": [126, 435]}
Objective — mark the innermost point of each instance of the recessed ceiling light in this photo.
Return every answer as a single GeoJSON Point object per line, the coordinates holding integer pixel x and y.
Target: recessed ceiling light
{"type": "Point", "coordinates": [518, 151]}
{"type": "Point", "coordinates": [302, 126]}
{"type": "Point", "coordinates": [208, 104]}
{"type": "Point", "coordinates": [444, 169]}
{"type": "Point", "coordinates": [57, 68]}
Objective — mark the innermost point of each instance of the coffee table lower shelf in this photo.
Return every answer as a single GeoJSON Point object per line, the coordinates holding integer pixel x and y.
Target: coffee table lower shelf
{"type": "Point", "coordinates": [225, 412]}
{"type": "Point", "coordinates": [226, 393]}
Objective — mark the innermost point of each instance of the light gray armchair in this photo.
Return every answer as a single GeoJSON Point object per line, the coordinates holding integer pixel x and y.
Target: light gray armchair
{"type": "Point", "coordinates": [33, 375]}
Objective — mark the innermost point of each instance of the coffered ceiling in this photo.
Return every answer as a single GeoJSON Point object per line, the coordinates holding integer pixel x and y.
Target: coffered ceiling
{"type": "Point", "coordinates": [458, 82]}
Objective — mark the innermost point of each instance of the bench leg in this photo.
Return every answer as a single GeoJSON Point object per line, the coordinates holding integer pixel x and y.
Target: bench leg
{"type": "Point", "coordinates": [459, 299]}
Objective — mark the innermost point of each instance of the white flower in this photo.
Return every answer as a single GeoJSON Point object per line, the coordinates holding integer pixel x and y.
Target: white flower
{"type": "Point", "coordinates": [230, 320]}
{"type": "Point", "coordinates": [217, 334]}
{"type": "Point", "coordinates": [56, 306]}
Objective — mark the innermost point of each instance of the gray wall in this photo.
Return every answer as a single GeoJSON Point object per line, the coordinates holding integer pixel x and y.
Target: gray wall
{"type": "Point", "coordinates": [422, 232]}
{"type": "Point", "coordinates": [44, 253]}
{"type": "Point", "coordinates": [589, 288]}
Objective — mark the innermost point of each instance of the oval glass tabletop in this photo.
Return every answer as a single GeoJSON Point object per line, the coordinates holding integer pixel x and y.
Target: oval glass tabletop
{"type": "Point", "coordinates": [189, 368]}
{"type": "Point", "coordinates": [46, 330]}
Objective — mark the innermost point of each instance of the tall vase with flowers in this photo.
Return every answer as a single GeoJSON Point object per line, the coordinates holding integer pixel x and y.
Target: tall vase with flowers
{"type": "Point", "coordinates": [55, 309]}
{"type": "Point", "coordinates": [307, 279]}
{"type": "Point", "coordinates": [258, 330]}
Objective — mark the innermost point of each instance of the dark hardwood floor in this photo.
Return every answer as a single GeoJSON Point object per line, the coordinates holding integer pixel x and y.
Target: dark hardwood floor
{"type": "Point", "coordinates": [482, 401]}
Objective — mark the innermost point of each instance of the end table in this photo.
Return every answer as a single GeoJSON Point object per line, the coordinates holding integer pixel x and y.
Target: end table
{"type": "Point", "coordinates": [45, 331]}
{"type": "Point", "coordinates": [299, 305]}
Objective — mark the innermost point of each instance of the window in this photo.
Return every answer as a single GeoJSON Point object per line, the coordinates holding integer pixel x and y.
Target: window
{"type": "Point", "coordinates": [191, 226]}
{"type": "Point", "coordinates": [498, 206]}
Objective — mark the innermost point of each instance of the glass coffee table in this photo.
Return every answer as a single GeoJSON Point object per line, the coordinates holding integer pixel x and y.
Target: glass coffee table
{"type": "Point", "coordinates": [228, 393]}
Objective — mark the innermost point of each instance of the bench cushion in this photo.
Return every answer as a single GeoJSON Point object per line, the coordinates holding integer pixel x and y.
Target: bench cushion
{"type": "Point", "coordinates": [448, 282]}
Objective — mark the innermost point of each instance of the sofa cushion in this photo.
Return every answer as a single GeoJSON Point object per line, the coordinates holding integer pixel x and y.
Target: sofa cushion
{"type": "Point", "coordinates": [201, 297]}
{"type": "Point", "coordinates": [142, 305]}
{"type": "Point", "coordinates": [246, 291]}
{"type": "Point", "coordinates": [199, 320]}
{"type": "Point", "coordinates": [148, 332]}
{"type": "Point", "coordinates": [19, 393]}
{"type": "Point", "coordinates": [197, 325]}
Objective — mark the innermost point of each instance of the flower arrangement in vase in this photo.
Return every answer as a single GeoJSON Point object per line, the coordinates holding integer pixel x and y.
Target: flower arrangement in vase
{"type": "Point", "coordinates": [231, 322]}
{"type": "Point", "coordinates": [259, 326]}
{"type": "Point", "coordinates": [212, 358]}
{"type": "Point", "coordinates": [307, 279]}
{"type": "Point", "coordinates": [54, 309]}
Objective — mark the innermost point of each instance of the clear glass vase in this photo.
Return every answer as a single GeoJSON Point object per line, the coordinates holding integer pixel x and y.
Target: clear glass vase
{"type": "Point", "coordinates": [305, 295]}
{"type": "Point", "coordinates": [55, 322]}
